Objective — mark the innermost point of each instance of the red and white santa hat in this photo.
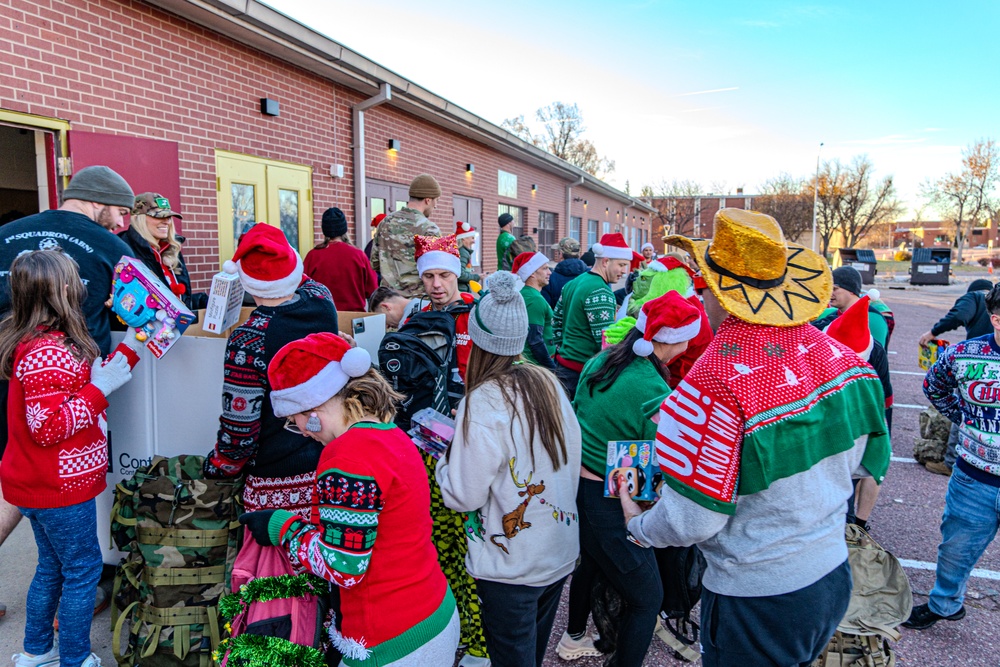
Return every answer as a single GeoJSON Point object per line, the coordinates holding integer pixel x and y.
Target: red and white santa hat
{"type": "Point", "coordinates": [612, 246]}
{"type": "Point", "coordinates": [464, 230]}
{"type": "Point", "coordinates": [269, 268]}
{"type": "Point", "coordinates": [527, 263]}
{"type": "Point", "coordinates": [437, 253]}
{"type": "Point", "coordinates": [852, 328]}
{"type": "Point", "coordinates": [666, 319]}
{"type": "Point", "coordinates": [306, 373]}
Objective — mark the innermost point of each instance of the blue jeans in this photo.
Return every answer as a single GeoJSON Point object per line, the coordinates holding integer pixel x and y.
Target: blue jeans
{"type": "Point", "coordinates": [69, 569]}
{"type": "Point", "coordinates": [971, 513]}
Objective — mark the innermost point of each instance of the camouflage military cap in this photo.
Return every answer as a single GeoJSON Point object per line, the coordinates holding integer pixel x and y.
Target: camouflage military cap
{"type": "Point", "coordinates": [154, 205]}
{"type": "Point", "coordinates": [569, 246]}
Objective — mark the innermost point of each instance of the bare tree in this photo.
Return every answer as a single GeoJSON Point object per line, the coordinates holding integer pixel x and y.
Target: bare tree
{"type": "Point", "coordinates": [562, 135]}
{"type": "Point", "coordinates": [968, 198]}
{"type": "Point", "coordinates": [851, 203]}
{"type": "Point", "coordinates": [675, 204]}
{"type": "Point", "coordinates": [789, 200]}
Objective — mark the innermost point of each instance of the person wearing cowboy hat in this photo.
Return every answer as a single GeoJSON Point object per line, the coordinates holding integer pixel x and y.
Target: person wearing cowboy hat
{"type": "Point", "coordinates": [758, 446]}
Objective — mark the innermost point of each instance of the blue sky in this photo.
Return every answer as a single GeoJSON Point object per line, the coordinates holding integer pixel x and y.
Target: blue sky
{"type": "Point", "coordinates": [907, 83]}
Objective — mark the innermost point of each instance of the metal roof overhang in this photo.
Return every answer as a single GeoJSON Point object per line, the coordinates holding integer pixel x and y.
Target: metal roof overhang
{"type": "Point", "coordinates": [269, 31]}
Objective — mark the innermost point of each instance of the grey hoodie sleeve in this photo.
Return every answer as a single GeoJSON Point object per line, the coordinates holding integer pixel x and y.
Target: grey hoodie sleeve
{"type": "Point", "coordinates": [676, 521]}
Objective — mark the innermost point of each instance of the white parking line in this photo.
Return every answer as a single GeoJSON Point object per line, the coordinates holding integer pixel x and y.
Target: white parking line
{"type": "Point", "coordinates": [909, 406]}
{"type": "Point", "coordinates": [923, 565]}
{"type": "Point", "coordinates": [902, 459]}
{"type": "Point", "coordinates": [908, 373]}
{"type": "Point", "coordinates": [890, 352]}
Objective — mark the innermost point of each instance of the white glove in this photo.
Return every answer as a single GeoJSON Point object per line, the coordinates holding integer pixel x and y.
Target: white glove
{"type": "Point", "coordinates": [111, 375]}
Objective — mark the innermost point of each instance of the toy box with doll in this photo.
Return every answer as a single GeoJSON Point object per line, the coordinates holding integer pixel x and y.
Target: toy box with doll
{"type": "Point", "coordinates": [632, 462]}
{"type": "Point", "coordinates": [432, 431]}
{"type": "Point", "coordinates": [142, 302]}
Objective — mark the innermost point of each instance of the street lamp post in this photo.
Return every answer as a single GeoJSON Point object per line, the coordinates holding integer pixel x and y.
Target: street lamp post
{"type": "Point", "coordinates": [816, 195]}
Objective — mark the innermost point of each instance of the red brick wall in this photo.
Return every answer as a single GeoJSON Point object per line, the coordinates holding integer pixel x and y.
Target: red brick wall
{"type": "Point", "coordinates": [123, 67]}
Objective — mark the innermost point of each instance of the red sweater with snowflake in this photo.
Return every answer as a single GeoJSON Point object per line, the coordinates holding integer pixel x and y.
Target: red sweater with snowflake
{"type": "Point", "coordinates": [57, 453]}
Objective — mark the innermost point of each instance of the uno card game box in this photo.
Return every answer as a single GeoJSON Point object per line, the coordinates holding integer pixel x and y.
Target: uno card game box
{"type": "Point", "coordinates": [632, 462]}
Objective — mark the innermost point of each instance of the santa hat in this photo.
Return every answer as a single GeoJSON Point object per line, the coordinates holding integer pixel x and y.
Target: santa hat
{"type": "Point", "coordinates": [666, 319]}
{"type": "Point", "coordinates": [377, 220]}
{"type": "Point", "coordinates": [637, 260]}
{"type": "Point", "coordinates": [668, 263]}
{"type": "Point", "coordinates": [434, 252]}
{"type": "Point", "coordinates": [464, 230]}
{"type": "Point", "coordinates": [851, 327]}
{"type": "Point", "coordinates": [307, 373]}
{"type": "Point", "coordinates": [612, 246]}
{"type": "Point", "coordinates": [527, 263]}
{"type": "Point", "coordinates": [269, 268]}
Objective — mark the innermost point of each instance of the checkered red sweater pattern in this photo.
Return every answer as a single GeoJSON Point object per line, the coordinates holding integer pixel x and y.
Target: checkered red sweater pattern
{"type": "Point", "coordinates": [57, 453]}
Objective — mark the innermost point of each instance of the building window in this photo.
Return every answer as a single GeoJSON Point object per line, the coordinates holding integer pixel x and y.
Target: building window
{"type": "Point", "coordinates": [518, 213]}
{"type": "Point", "coordinates": [574, 227]}
{"type": "Point", "coordinates": [606, 228]}
{"type": "Point", "coordinates": [591, 232]}
{"type": "Point", "coordinates": [546, 233]}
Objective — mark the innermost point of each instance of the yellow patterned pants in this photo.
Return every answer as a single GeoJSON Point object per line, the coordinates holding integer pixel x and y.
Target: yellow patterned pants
{"type": "Point", "coordinates": [449, 539]}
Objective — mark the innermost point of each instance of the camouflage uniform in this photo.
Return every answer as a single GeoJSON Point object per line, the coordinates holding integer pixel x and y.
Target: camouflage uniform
{"type": "Point", "coordinates": [393, 251]}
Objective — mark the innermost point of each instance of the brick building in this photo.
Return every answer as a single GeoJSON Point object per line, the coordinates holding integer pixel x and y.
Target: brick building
{"type": "Point", "coordinates": [691, 216]}
{"type": "Point", "coordinates": [179, 96]}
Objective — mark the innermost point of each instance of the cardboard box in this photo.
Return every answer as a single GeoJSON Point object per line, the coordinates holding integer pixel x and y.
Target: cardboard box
{"type": "Point", "coordinates": [367, 329]}
{"type": "Point", "coordinates": [225, 300]}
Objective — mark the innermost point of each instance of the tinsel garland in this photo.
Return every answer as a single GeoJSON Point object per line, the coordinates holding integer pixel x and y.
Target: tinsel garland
{"type": "Point", "coordinates": [261, 651]}
{"type": "Point", "coordinates": [265, 589]}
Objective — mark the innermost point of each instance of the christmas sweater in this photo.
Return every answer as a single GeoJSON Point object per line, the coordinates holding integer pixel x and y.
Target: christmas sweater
{"type": "Point", "coordinates": [758, 446]}
{"type": "Point", "coordinates": [463, 342]}
{"type": "Point", "coordinates": [250, 436]}
{"type": "Point", "coordinates": [540, 337]}
{"type": "Point", "coordinates": [57, 453]}
{"type": "Point", "coordinates": [972, 368]}
{"type": "Point", "coordinates": [523, 528]}
{"type": "Point", "coordinates": [370, 534]}
{"type": "Point", "coordinates": [618, 411]}
{"type": "Point", "coordinates": [504, 240]}
{"type": "Point", "coordinates": [586, 307]}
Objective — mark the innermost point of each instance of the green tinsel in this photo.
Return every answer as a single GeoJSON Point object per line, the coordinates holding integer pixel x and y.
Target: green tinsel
{"type": "Point", "coordinates": [261, 651]}
{"type": "Point", "coordinates": [271, 588]}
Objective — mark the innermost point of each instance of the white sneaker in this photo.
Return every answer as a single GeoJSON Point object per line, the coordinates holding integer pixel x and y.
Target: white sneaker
{"type": "Point", "coordinates": [50, 659]}
{"type": "Point", "coordinates": [92, 661]}
{"type": "Point", "coordinates": [571, 649]}
{"type": "Point", "coordinates": [473, 661]}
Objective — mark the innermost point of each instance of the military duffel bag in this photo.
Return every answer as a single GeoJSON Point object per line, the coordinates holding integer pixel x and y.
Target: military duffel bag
{"type": "Point", "coordinates": [180, 534]}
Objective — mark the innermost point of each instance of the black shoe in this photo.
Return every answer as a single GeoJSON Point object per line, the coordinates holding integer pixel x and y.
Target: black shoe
{"type": "Point", "coordinates": [923, 618]}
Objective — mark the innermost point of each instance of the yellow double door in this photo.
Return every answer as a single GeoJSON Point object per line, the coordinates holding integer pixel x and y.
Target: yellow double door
{"type": "Point", "coordinates": [252, 190]}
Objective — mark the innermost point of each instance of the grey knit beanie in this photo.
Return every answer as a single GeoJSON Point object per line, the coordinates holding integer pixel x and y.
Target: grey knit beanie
{"type": "Point", "coordinates": [102, 185]}
{"type": "Point", "coordinates": [499, 322]}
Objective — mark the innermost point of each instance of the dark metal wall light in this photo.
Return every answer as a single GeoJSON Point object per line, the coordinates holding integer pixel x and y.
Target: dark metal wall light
{"type": "Point", "coordinates": [269, 107]}
{"type": "Point", "coordinates": [470, 168]}
{"type": "Point", "coordinates": [394, 145]}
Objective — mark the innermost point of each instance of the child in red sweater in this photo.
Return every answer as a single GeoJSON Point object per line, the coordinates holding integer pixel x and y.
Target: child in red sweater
{"type": "Point", "coordinates": [57, 456]}
{"type": "Point", "coordinates": [370, 528]}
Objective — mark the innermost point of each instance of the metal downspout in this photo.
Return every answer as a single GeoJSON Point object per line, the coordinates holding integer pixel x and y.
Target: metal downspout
{"type": "Point", "coordinates": [362, 221]}
{"type": "Point", "coordinates": [569, 205]}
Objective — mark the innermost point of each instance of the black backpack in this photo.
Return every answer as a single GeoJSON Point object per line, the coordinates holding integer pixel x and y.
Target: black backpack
{"type": "Point", "coordinates": [420, 362]}
{"type": "Point", "coordinates": [681, 571]}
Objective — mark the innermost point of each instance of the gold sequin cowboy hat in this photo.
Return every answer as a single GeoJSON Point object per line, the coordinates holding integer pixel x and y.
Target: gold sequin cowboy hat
{"type": "Point", "coordinates": [755, 274]}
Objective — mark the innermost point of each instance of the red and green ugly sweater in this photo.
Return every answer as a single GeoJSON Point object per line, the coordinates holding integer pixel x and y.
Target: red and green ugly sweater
{"type": "Point", "coordinates": [370, 534]}
{"type": "Point", "coordinates": [57, 453]}
{"type": "Point", "coordinates": [758, 446]}
{"type": "Point", "coordinates": [586, 307]}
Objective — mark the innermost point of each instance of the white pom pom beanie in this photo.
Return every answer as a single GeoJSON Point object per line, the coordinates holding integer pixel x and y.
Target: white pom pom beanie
{"type": "Point", "coordinates": [499, 322]}
{"type": "Point", "coordinates": [307, 373]}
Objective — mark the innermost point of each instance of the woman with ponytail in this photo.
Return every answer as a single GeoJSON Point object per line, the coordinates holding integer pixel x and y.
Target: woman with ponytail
{"type": "Point", "coordinates": [513, 467]}
{"type": "Point", "coordinates": [620, 391]}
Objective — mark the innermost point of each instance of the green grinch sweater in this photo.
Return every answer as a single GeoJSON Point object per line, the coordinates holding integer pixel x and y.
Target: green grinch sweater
{"type": "Point", "coordinates": [619, 411]}
{"type": "Point", "coordinates": [586, 307]}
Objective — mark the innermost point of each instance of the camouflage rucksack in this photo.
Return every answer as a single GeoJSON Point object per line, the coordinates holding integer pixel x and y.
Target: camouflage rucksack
{"type": "Point", "coordinates": [180, 534]}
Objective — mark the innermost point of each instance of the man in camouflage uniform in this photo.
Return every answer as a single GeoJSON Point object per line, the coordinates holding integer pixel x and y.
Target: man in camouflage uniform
{"type": "Point", "coordinates": [392, 252]}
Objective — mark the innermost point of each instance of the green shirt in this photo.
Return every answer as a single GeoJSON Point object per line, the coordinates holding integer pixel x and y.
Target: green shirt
{"type": "Point", "coordinates": [618, 412]}
{"type": "Point", "coordinates": [585, 308]}
{"type": "Point", "coordinates": [539, 312]}
{"type": "Point", "coordinates": [503, 243]}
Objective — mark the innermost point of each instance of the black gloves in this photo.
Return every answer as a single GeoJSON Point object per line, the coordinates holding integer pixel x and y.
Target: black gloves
{"type": "Point", "coordinates": [257, 522]}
